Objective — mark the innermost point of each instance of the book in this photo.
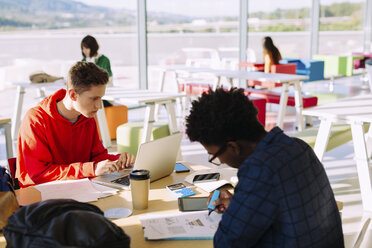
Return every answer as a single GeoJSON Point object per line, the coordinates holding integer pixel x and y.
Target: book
{"type": "Point", "coordinates": [180, 225]}
{"type": "Point", "coordinates": [227, 176]}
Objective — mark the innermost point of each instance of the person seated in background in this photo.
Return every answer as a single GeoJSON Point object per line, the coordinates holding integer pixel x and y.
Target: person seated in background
{"type": "Point", "coordinates": [283, 197]}
{"type": "Point", "coordinates": [89, 50]}
{"type": "Point", "coordinates": [271, 53]}
{"type": "Point", "coordinates": [58, 139]}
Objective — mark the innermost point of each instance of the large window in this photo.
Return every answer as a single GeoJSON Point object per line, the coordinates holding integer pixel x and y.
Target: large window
{"type": "Point", "coordinates": [46, 35]}
{"type": "Point", "coordinates": [340, 26]}
{"type": "Point", "coordinates": [287, 22]}
{"type": "Point", "coordinates": [192, 32]}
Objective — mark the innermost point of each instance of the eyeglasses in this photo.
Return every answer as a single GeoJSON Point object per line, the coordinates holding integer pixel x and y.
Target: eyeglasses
{"type": "Point", "coordinates": [214, 158]}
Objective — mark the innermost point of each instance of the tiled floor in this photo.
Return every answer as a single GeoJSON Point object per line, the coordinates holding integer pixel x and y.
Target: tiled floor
{"type": "Point", "coordinates": [339, 163]}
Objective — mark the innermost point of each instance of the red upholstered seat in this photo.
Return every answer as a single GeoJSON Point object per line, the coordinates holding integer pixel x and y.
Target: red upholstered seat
{"type": "Point", "coordinates": [289, 68]}
{"type": "Point", "coordinates": [274, 97]}
{"type": "Point", "coordinates": [198, 89]}
{"type": "Point", "coordinates": [253, 66]}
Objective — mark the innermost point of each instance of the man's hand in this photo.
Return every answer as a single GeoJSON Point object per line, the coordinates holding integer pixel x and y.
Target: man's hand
{"type": "Point", "coordinates": [222, 202]}
{"type": "Point", "coordinates": [105, 167]}
{"type": "Point", "coordinates": [125, 160]}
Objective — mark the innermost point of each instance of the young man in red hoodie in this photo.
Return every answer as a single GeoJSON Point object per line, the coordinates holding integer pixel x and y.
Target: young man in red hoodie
{"type": "Point", "coordinates": [58, 139]}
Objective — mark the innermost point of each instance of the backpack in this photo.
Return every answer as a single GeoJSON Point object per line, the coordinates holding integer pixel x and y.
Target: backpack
{"type": "Point", "coordinates": [8, 201]}
{"type": "Point", "coordinates": [5, 180]}
{"type": "Point", "coordinates": [62, 223]}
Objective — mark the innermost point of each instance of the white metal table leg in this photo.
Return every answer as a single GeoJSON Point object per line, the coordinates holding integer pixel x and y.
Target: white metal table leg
{"type": "Point", "coordinates": [172, 117]}
{"type": "Point", "coordinates": [8, 140]}
{"type": "Point", "coordinates": [162, 80]}
{"type": "Point", "coordinates": [16, 120]}
{"type": "Point", "coordinates": [148, 122]}
{"type": "Point", "coordinates": [322, 137]}
{"type": "Point", "coordinates": [103, 128]}
{"type": "Point", "coordinates": [173, 128]}
{"type": "Point", "coordinates": [368, 137]}
{"type": "Point", "coordinates": [362, 164]}
{"type": "Point", "coordinates": [282, 106]}
{"type": "Point", "coordinates": [299, 106]}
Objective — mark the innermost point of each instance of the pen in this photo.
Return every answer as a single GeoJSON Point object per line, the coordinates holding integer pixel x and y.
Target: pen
{"type": "Point", "coordinates": [215, 196]}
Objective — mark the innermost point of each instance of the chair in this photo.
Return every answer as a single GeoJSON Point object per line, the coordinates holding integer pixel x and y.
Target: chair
{"type": "Point", "coordinates": [12, 163]}
{"type": "Point", "coordinates": [369, 72]}
{"type": "Point", "coordinates": [314, 69]}
{"type": "Point", "coordinates": [289, 68]}
{"type": "Point", "coordinates": [333, 65]}
{"type": "Point", "coordinates": [129, 135]}
{"type": "Point", "coordinates": [362, 233]}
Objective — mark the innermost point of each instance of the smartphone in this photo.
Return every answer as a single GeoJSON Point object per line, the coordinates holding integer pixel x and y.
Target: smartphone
{"type": "Point", "coordinates": [180, 190]}
{"type": "Point", "coordinates": [207, 177]}
{"type": "Point", "coordinates": [192, 203]}
{"type": "Point", "coordinates": [179, 167]}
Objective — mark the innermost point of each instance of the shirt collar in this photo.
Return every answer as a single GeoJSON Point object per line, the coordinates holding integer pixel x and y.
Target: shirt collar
{"type": "Point", "coordinates": [269, 138]}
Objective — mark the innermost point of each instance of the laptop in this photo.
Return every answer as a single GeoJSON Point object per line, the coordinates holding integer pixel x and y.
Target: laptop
{"type": "Point", "coordinates": [158, 156]}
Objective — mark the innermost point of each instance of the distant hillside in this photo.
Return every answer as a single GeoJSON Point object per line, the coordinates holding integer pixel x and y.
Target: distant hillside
{"type": "Point", "coordinates": [42, 6]}
{"type": "Point", "coordinates": [47, 14]}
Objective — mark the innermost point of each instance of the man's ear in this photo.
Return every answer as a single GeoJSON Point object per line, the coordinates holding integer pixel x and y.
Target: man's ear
{"type": "Point", "coordinates": [234, 146]}
{"type": "Point", "coordinates": [72, 94]}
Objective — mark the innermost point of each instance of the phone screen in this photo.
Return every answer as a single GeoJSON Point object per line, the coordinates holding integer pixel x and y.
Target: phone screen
{"type": "Point", "coordinates": [176, 186]}
{"type": "Point", "coordinates": [207, 177]}
{"type": "Point", "coordinates": [192, 203]}
{"type": "Point", "coordinates": [181, 168]}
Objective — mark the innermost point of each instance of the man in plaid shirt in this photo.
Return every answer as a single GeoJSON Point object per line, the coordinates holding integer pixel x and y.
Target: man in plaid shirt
{"type": "Point", "coordinates": [283, 197]}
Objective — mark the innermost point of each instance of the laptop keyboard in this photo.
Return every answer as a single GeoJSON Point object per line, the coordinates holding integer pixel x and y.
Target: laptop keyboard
{"type": "Point", "coordinates": [122, 180]}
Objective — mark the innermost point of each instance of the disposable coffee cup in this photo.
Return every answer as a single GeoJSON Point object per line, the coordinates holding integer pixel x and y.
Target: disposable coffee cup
{"type": "Point", "coordinates": [140, 186]}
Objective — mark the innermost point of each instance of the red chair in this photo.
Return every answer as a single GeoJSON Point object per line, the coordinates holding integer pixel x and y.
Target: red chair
{"type": "Point", "coordinates": [253, 66]}
{"type": "Point", "coordinates": [12, 162]}
{"type": "Point", "coordinates": [289, 68]}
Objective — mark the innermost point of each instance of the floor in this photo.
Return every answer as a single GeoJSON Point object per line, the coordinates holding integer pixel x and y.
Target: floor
{"type": "Point", "coordinates": [339, 162]}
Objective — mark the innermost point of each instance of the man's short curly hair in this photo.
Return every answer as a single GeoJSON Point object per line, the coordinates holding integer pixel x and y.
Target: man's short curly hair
{"type": "Point", "coordinates": [220, 116]}
{"type": "Point", "coordinates": [83, 75]}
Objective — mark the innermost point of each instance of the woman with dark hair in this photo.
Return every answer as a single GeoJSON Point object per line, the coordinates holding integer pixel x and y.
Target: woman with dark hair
{"type": "Point", "coordinates": [89, 50]}
{"type": "Point", "coordinates": [271, 53]}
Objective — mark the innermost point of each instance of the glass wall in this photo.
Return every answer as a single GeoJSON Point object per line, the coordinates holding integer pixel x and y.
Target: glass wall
{"type": "Point", "coordinates": [46, 36]}
{"type": "Point", "coordinates": [287, 22]}
{"type": "Point", "coordinates": [341, 26]}
{"type": "Point", "coordinates": [191, 32]}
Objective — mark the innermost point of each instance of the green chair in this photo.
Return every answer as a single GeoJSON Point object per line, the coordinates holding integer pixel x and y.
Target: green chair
{"type": "Point", "coordinates": [340, 134]}
{"type": "Point", "coordinates": [333, 65]}
{"type": "Point", "coordinates": [128, 135]}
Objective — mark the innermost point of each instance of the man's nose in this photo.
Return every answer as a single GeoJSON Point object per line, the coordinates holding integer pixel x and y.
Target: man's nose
{"type": "Point", "coordinates": [99, 104]}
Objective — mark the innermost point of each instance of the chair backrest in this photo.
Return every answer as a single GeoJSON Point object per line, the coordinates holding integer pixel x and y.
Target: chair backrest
{"type": "Point", "coordinates": [12, 162]}
{"type": "Point", "coordinates": [362, 233]}
{"type": "Point", "coordinates": [289, 68]}
{"type": "Point", "coordinates": [369, 73]}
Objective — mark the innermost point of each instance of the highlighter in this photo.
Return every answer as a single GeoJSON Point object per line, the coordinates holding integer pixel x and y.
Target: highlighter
{"type": "Point", "coordinates": [215, 196]}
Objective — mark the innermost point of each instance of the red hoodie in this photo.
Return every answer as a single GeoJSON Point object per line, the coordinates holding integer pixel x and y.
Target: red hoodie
{"type": "Point", "coordinates": [52, 148]}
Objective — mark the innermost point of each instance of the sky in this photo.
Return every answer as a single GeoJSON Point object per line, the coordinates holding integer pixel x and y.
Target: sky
{"type": "Point", "coordinates": [209, 7]}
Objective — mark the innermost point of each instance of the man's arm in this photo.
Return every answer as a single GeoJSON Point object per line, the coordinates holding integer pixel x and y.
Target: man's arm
{"type": "Point", "coordinates": [251, 210]}
{"type": "Point", "coordinates": [36, 160]}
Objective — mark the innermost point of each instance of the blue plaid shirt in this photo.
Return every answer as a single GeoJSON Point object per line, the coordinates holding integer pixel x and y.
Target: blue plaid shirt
{"type": "Point", "coordinates": [283, 199]}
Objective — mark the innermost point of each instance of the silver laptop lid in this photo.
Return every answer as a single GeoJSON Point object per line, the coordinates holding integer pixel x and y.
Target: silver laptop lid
{"type": "Point", "coordinates": [159, 156]}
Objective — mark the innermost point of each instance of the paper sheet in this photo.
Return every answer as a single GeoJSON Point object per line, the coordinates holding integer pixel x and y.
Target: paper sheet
{"type": "Point", "coordinates": [191, 225]}
{"type": "Point", "coordinates": [81, 190]}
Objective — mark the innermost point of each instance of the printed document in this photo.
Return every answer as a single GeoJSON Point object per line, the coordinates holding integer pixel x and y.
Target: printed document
{"type": "Point", "coordinates": [180, 225]}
